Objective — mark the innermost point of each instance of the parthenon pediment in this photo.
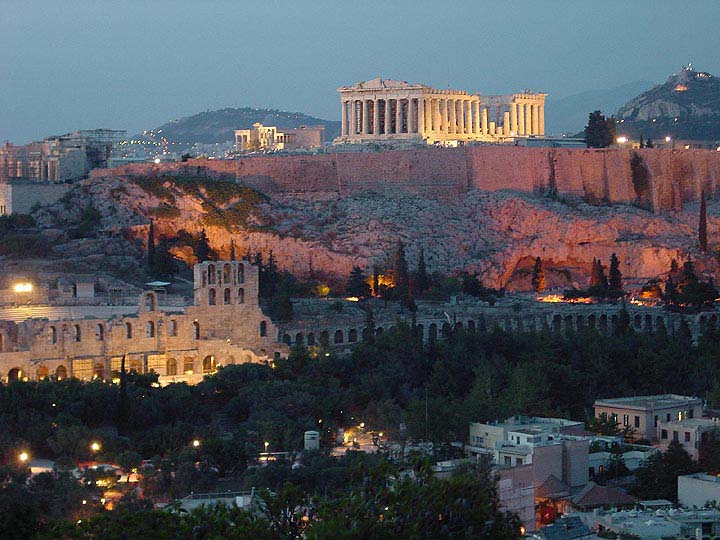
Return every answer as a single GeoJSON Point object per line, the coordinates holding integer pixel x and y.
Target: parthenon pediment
{"type": "Point", "coordinates": [379, 83]}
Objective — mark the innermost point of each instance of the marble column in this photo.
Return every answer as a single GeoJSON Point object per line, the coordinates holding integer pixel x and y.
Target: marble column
{"type": "Point", "coordinates": [536, 119]}
{"type": "Point", "coordinates": [442, 104]}
{"type": "Point", "coordinates": [411, 115]}
{"type": "Point", "coordinates": [506, 123]}
{"type": "Point", "coordinates": [343, 111]}
{"type": "Point", "coordinates": [421, 116]}
{"type": "Point", "coordinates": [478, 129]}
{"type": "Point", "coordinates": [460, 112]}
{"type": "Point", "coordinates": [452, 120]}
{"type": "Point", "coordinates": [388, 116]}
{"type": "Point", "coordinates": [514, 118]}
{"type": "Point", "coordinates": [484, 121]}
{"type": "Point", "coordinates": [376, 117]}
{"type": "Point", "coordinates": [365, 117]}
{"type": "Point", "coordinates": [541, 120]}
{"type": "Point", "coordinates": [436, 116]}
{"type": "Point", "coordinates": [353, 118]}
{"type": "Point", "coordinates": [398, 117]}
{"type": "Point", "coordinates": [521, 119]}
{"type": "Point", "coordinates": [528, 119]}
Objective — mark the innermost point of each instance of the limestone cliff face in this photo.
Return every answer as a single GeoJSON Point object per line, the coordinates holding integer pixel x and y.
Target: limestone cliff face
{"type": "Point", "coordinates": [494, 232]}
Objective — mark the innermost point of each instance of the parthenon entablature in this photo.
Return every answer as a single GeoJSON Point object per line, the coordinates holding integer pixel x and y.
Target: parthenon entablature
{"type": "Point", "coordinates": [387, 110]}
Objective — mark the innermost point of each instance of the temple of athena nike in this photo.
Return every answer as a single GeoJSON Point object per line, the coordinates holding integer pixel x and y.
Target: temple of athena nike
{"type": "Point", "coordinates": [389, 110]}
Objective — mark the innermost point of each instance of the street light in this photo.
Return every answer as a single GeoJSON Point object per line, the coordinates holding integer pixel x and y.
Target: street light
{"type": "Point", "coordinates": [23, 287]}
{"type": "Point", "coordinates": [95, 447]}
{"type": "Point", "coordinates": [266, 446]}
{"type": "Point", "coordinates": [621, 140]}
{"type": "Point", "coordinates": [196, 443]}
{"type": "Point", "coordinates": [23, 457]}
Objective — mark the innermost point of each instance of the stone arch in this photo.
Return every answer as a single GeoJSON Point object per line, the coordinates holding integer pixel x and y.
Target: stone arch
{"type": "Point", "coordinates": [241, 273]}
{"type": "Point", "coordinates": [648, 323]}
{"type": "Point", "coordinates": [471, 325]}
{"type": "Point", "coordinates": [196, 330]}
{"type": "Point", "coordinates": [188, 365]}
{"type": "Point", "coordinates": [519, 325]}
{"type": "Point", "coordinates": [445, 331]}
{"type": "Point", "coordinates": [61, 373]}
{"type": "Point", "coordinates": [136, 364]}
{"type": "Point", "coordinates": [149, 329]}
{"type": "Point", "coordinates": [592, 321]}
{"type": "Point", "coordinates": [241, 296]}
{"type": "Point", "coordinates": [339, 337]}
{"type": "Point", "coordinates": [128, 330]}
{"type": "Point", "coordinates": [637, 321]}
{"type": "Point", "coordinates": [99, 332]}
{"type": "Point", "coordinates": [227, 273]}
{"type": "Point", "coordinates": [365, 334]}
{"type": "Point", "coordinates": [580, 322]}
{"type": "Point", "coordinates": [569, 323]}
{"type": "Point", "coordinates": [311, 338]}
{"type": "Point", "coordinates": [660, 324]}
{"type": "Point", "coordinates": [247, 359]}
{"type": "Point", "coordinates": [150, 301]}
{"type": "Point", "coordinates": [352, 336]}
{"type": "Point", "coordinates": [208, 365]}
{"type": "Point", "coordinates": [458, 326]}
{"type": "Point", "coordinates": [379, 330]}
{"type": "Point", "coordinates": [171, 367]}
{"type": "Point", "coordinates": [432, 332]}
{"type": "Point", "coordinates": [557, 322]}
{"type": "Point", "coordinates": [482, 324]}
{"type": "Point", "coordinates": [324, 338]}
{"type": "Point", "coordinates": [603, 322]}
{"type": "Point", "coordinates": [77, 333]}
{"type": "Point", "coordinates": [98, 371]}
{"type": "Point", "coordinates": [226, 297]}
{"type": "Point", "coordinates": [53, 335]}
{"type": "Point", "coordinates": [299, 338]}
{"type": "Point", "coordinates": [614, 323]}
{"type": "Point", "coordinates": [287, 340]}
{"type": "Point", "coordinates": [42, 372]}
{"type": "Point", "coordinates": [212, 296]}
{"type": "Point", "coordinates": [263, 329]}
{"type": "Point", "coordinates": [15, 374]}
{"type": "Point", "coordinates": [211, 274]}
{"type": "Point", "coordinates": [419, 331]}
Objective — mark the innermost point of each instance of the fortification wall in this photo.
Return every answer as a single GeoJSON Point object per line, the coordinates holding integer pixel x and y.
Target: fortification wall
{"type": "Point", "coordinates": [671, 177]}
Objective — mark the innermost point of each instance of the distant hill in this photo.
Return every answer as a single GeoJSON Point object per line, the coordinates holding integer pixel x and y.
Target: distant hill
{"type": "Point", "coordinates": [686, 106]}
{"type": "Point", "coordinates": [219, 126]}
{"type": "Point", "coordinates": [570, 114]}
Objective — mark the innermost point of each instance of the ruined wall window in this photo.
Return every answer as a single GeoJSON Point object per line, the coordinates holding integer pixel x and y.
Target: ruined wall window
{"type": "Point", "coordinates": [263, 329]}
{"type": "Point", "coordinates": [189, 366]}
{"type": "Point", "coordinates": [53, 335]}
{"type": "Point", "coordinates": [78, 334]}
{"type": "Point", "coordinates": [171, 367]}
{"type": "Point", "coordinates": [226, 297]}
{"type": "Point", "coordinates": [211, 274]}
{"type": "Point", "coordinates": [227, 274]}
{"type": "Point", "coordinates": [128, 330]}
{"type": "Point", "coordinates": [149, 329]}
{"type": "Point", "coordinates": [196, 330]}
{"type": "Point", "coordinates": [100, 332]}
{"type": "Point", "coordinates": [42, 373]}
{"type": "Point", "coordinates": [172, 328]}
{"type": "Point", "coordinates": [61, 373]}
{"type": "Point", "coordinates": [149, 302]}
{"type": "Point", "coordinates": [241, 296]}
{"type": "Point", "coordinates": [212, 297]}
{"type": "Point", "coordinates": [338, 337]}
{"type": "Point", "coordinates": [2, 342]}
{"type": "Point", "coordinates": [241, 273]}
{"type": "Point", "coordinates": [209, 364]}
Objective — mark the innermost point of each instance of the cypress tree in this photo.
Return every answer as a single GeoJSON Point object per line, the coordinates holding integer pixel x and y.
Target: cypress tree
{"type": "Point", "coordinates": [423, 281]}
{"type": "Point", "coordinates": [615, 277]}
{"type": "Point", "coordinates": [702, 226]}
{"type": "Point", "coordinates": [538, 276]}
{"type": "Point", "coordinates": [151, 247]}
{"type": "Point", "coordinates": [402, 277]}
{"type": "Point", "coordinates": [357, 285]}
{"type": "Point", "coordinates": [376, 280]}
{"type": "Point", "coordinates": [232, 250]}
{"type": "Point", "coordinates": [202, 251]}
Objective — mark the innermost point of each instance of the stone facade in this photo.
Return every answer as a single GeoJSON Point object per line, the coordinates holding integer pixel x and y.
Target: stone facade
{"type": "Point", "coordinates": [225, 325]}
{"type": "Point", "coordinates": [268, 138]}
{"type": "Point", "coordinates": [387, 110]}
{"type": "Point", "coordinates": [18, 197]}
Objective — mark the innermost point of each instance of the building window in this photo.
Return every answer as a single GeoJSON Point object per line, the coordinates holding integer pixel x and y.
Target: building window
{"type": "Point", "coordinates": [663, 434]}
{"type": "Point", "coordinates": [172, 328]}
{"type": "Point", "coordinates": [263, 329]}
{"type": "Point", "coordinates": [196, 330]}
{"type": "Point", "coordinates": [656, 420]}
{"type": "Point", "coordinates": [53, 335]}
{"type": "Point", "coordinates": [667, 417]}
{"type": "Point", "coordinates": [691, 413]}
{"type": "Point", "coordinates": [518, 461]}
{"type": "Point", "coordinates": [149, 329]}
{"type": "Point", "coordinates": [188, 366]}
{"type": "Point", "coordinates": [78, 333]}
{"type": "Point", "coordinates": [226, 297]}
{"type": "Point", "coordinates": [241, 296]}
{"type": "Point", "coordinates": [241, 273]}
{"type": "Point", "coordinates": [100, 332]}
{"type": "Point", "coordinates": [626, 420]}
{"type": "Point", "coordinates": [675, 436]}
{"type": "Point", "coordinates": [637, 421]}
{"type": "Point", "coordinates": [128, 330]}
{"type": "Point", "coordinates": [687, 436]}
{"type": "Point", "coordinates": [212, 297]}
{"type": "Point", "coordinates": [508, 460]}
{"type": "Point", "coordinates": [171, 368]}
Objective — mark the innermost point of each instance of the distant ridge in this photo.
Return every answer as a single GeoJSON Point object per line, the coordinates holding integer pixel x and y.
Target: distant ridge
{"type": "Point", "coordinates": [685, 106]}
{"type": "Point", "coordinates": [218, 126]}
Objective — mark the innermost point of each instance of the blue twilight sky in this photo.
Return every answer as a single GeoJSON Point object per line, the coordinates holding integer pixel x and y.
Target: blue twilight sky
{"type": "Point", "coordinates": [134, 64]}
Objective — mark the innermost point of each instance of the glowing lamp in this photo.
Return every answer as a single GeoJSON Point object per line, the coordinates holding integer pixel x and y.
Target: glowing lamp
{"type": "Point", "coordinates": [23, 287]}
{"type": "Point", "coordinates": [621, 140]}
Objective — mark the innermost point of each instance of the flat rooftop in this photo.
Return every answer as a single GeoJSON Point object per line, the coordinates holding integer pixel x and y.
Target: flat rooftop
{"type": "Point", "coordinates": [661, 401]}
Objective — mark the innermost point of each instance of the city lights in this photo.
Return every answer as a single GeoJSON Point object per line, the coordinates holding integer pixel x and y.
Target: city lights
{"type": "Point", "coordinates": [196, 443]}
{"type": "Point", "coordinates": [23, 287]}
{"type": "Point", "coordinates": [23, 457]}
{"type": "Point", "coordinates": [95, 446]}
{"type": "Point", "coordinates": [621, 140]}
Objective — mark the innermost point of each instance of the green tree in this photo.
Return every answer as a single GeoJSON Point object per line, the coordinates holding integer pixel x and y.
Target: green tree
{"type": "Point", "coordinates": [538, 276]}
{"type": "Point", "coordinates": [357, 283]}
{"type": "Point", "coordinates": [657, 477]}
{"type": "Point", "coordinates": [598, 281]}
{"type": "Point", "coordinates": [202, 247]}
{"type": "Point", "coordinates": [615, 285]}
{"type": "Point", "coordinates": [422, 279]}
{"type": "Point", "coordinates": [600, 131]}
{"type": "Point", "coordinates": [165, 262]}
{"type": "Point", "coordinates": [402, 276]}
{"type": "Point", "coordinates": [151, 247]}
{"type": "Point", "coordinates": [232, 250]}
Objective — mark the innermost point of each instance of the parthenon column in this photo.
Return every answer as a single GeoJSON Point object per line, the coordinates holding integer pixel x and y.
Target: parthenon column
{"type": "Point", "coordinates": [478, 129]}
{"type": "Point", "coordinates": [452, 125]}
{"type": "Point", "coordinates": [365, 117]}
{"type": "Point", "coordinates": [376, 117]}
{"type": "Point", "coordinates": [388, 117]}
{"type": "Point", "coordinates": [528, 119]}
{"type": "Point", "coordinates": [536, 119]}
{"type": "Point", "coordinates": [343, 111]}
{"type": "Point", "coordinates": [435, 115]}
{"type": "Point", "coordinates": [461, 116]}
{"type": "Point", "coordinates": [541, 125]}
{"type": "Point", "coordinates": [411, 116]}
{"type": "Point", "coordinates": [521, 119]}
{"type": "Point", "coordinates": [442, 107]}
{"type": "Point", "coordinates": [484, 121]}
{"type": "Point", "coordinates": [514, 118]}
{"type": "Point", "coordinates": [398, 117]}
{"type": "Point", "coordinates": [421, 116]}
{"type": "Point", "coordinates": [506, 123]}
{"type": "Point", "coordinates": [353, 118]}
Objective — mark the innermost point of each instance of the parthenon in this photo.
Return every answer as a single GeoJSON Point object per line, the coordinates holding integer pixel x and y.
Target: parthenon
{"type": "Point", "coordinates": [385, 109]}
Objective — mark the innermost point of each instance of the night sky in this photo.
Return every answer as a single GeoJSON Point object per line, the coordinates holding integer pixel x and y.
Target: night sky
{"type": "Point", "coordinates": [137, 64]}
